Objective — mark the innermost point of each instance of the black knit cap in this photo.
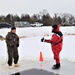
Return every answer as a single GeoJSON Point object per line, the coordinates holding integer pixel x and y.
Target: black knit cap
{"type": "Point", "coordinates": [54, 26]}
{"type": "Point", "coordinates": [12, 28]}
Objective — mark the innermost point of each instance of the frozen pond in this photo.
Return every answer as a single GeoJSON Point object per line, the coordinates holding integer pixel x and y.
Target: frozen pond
{"type": "Point", "coordinates": [30, 49]}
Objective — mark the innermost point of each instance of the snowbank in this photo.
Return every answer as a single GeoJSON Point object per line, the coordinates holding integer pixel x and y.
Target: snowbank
{"type": "Point", "coordinates": [38, 31]}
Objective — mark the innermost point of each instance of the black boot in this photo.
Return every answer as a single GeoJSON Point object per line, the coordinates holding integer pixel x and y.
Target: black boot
{"type": "Point", "coordinates": [57, 66]}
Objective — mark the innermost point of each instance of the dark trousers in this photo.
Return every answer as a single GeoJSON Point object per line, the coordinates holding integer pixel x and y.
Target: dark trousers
{"type": "Point", "coordinates": [12, 56]}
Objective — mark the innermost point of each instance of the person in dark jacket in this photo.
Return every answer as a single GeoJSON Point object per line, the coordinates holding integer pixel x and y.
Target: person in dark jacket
{"type": "Point", "coordinates": [12, 41]}
{"type": "Point", "coordinates": [56, 44]}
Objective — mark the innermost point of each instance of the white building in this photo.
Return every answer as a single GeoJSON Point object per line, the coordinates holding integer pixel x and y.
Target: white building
{"type": "Point", "coordinates": [22, 24]}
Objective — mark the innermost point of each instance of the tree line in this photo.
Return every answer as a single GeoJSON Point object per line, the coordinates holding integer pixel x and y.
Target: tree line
{"type": "Point", "coordinates": [42, 17]}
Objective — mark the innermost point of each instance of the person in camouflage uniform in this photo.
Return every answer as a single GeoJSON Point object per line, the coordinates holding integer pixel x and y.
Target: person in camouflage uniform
{"type": "Point", "coordinates": [12, 41]}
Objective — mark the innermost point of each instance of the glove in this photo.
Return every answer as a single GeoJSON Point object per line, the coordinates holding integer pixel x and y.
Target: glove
{"type": "Point", "coordinates": [17, 45]}
{"type": "Point", "coordinates": [42, 40]}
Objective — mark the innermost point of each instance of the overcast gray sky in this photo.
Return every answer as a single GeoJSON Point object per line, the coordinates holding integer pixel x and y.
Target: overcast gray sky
{"type": "Point", "coordinates": [35, 6]}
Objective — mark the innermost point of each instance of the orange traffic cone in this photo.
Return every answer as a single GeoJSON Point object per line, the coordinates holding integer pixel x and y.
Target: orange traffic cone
{"type": "Point", "coordinates": [41, 57]}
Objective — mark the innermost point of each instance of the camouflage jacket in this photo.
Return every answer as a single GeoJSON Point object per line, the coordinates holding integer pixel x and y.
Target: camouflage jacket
{"type": "Point", "coordinates": [12, 39]}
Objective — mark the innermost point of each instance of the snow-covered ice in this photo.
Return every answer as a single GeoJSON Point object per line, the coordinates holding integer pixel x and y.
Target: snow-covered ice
{"type": "Point", "coordinates": [31, 46]}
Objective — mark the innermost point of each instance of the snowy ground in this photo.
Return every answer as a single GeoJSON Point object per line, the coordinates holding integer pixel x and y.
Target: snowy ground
{"type": "Point", "coordinates": [68, 68]}
{"type": "Point", "coordinates": [31, 46]}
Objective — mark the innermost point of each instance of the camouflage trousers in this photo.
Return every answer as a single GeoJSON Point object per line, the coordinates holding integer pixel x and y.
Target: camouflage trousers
{"type": "Point", "coordinates": [12, 56]}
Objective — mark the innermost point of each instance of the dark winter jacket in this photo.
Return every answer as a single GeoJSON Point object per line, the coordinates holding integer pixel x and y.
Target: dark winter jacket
{"type": "Point", "coordinates": [12, 40]}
